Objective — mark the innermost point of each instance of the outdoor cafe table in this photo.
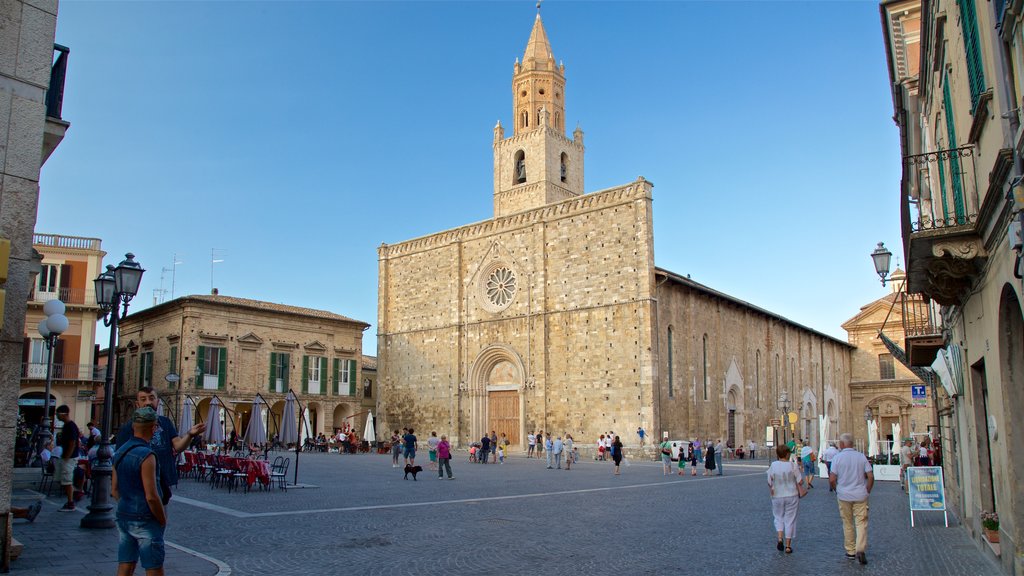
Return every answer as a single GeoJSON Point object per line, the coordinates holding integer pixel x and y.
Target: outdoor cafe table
{"type": "Point", "coordinates": [253, 469]}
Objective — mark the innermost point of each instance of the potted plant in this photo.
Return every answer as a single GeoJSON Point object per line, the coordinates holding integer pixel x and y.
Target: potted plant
{"type": "Point", "coordinates": [990, 523]}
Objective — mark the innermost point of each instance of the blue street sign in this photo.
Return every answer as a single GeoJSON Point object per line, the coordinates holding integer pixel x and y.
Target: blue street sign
{"type": "Point", "coordinates": [918, 392]}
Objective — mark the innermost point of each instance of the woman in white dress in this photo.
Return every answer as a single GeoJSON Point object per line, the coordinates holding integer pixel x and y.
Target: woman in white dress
{"type": "Point", "coordinates": [783, 478]}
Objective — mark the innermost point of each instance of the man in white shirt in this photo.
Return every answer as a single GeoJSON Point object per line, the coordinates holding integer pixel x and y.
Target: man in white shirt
{"type": "Point", "coordinates": [852, 478]}
{"type": "Point", "coordinates": [827, 456]}
{"type": "Point", "coordinates": [752, 448]}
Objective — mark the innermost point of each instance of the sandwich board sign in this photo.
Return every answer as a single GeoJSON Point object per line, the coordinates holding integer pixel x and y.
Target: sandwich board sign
{"type": "Point", "coordinates": [925, 486]}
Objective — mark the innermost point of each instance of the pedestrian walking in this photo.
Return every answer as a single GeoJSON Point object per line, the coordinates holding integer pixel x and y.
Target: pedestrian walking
{"type": "Point", "coordinates": [540, 442]}
{"type": "Point", "coordinates": [709, 459]}
{"type": "Point", "coordinates": [548, 446]}
{"type": "Point", "coordinates": [752, 448]}
{"type": "Point", "coordinates": [410, 447]}
{"type": "Point", "coordinates": [485, 448]}
{"type": "Point", "coordinates": [852, 477]}
{"type": "Point", "coordinates": [642, 434]}
{"type": "Point", "coordinates": [444, 458]}
{"type": "Point", "coordinates": [807, 458]}
{"type": "Point", "coordinates": [698, 450]}
{"type": "Point", "coordinates": [396, 448]}
{"type": "Point", "coordinates": [494, 445]}
{"type": "Point", "coordinates": [720, 448]}
{"type": "Point", "coordinates": [570, 452]}
{"type": "Point", "coordinates": [531, 444]}
{"type": "Point", "coordinates": [666, 458]}
{"type": "Point", "coordinates": [827, 457]}
{"type": "Point", "coordinates": [140, 516]}
{"type": "Point", "coordinates": [432, 443]}
{"type": "Point", "coordinates": [682, 461]}
{"type": "Point", "coordinates": [68, 440]}
{"type": "Point", "coordinates": [557, 447]}
{"type": "Point", "coordinates": [500, 452]}
{"type": "Point", "coordinates": [783, 480]}
{"type": "Point", "coordinates": [600, 448]}
{"type": "Point", "coordinates": [692, 455]}
{"type": "Point", "coordinates": [617, 453]}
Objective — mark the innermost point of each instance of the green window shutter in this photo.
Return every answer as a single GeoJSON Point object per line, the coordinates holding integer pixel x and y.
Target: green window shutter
{"type": "Point", "coordinates": [351, 377]}
{"type": "Point", "coordinates": [284, 360]}
{"type": "Point", "coordinates": [305, 374]}
{"type": "Point", "coordinates": [323, 376]}
{"type": "Point", "coordinates": [149, 368]}
{"type": "Point", "coordinates": [142, 370]}
{"type": "Point", "coordinates": [273, 371]}
{"type": "Point", "coordinates": [173, 361]}
{"type": "Point", "coordinates": [336, 382]}
{"type": "Point", "coordinates": [200, 359]}
{"type": "Point", "coordinates": [222, 376]}
{"type": "Point", "coordinates": [972, 48]}
{"type": "Point", "coordinates": [955, 170]}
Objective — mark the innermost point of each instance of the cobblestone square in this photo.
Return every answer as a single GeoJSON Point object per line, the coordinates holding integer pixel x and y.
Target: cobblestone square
{"type": "Point", "coordinates": [361, 517]}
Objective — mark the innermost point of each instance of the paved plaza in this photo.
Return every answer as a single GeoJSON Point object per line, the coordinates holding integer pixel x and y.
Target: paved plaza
{"type": "Point", "coordinates": [361, 517]}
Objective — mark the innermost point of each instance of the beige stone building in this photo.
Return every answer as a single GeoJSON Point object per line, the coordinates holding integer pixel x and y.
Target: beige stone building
{"type": "Point", "coordinates": [879, 381]}
{"type": "Point", "coordinates": [234, 348]}
{"type": "Point", "coordinates": [956, 71]}
{"type": "Point", "coordinates": [552, 315]}
{"type": "Point", "coordinates": [68, 267]}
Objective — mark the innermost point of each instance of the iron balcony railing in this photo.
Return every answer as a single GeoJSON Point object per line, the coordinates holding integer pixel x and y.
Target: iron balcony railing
{"type": "Point", "coordinates": [920, 316]}
{"type": "Point", "coordinates": [87, 372]}
{"type": "Point", "coordinates": [66, 295]}
{"type": "Point", "coordinates": [944, 186]}
{"type": "Point", "coordinates": [55, 95]}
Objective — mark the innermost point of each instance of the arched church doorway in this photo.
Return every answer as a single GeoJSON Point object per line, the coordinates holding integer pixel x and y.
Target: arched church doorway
{"type": "Point", "coordinates": [498, 379]}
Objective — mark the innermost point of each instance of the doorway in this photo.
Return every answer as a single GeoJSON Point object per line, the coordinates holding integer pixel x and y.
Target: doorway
{"type": "Point", "coordinates": [503, 414]}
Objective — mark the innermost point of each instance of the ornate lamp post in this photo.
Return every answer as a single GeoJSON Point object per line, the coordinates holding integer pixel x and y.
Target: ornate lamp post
{"type": "Point", "coordinates": [50, 328]}
{"type": "Point", "coordinates": [783, 404]}
{"type": "Point", "coordinates": [114, 288]}
{"type": "Point", "coordinates": [881, 257]}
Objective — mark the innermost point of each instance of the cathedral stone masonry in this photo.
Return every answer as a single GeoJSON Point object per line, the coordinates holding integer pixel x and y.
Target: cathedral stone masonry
{"type": "Point", "coordinates": [552, 315]}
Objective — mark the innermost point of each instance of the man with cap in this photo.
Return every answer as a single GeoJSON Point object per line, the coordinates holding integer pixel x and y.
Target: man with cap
{"type": "Point", "coordinates": [141, 518]}
{"type": "Point", "coordinates": [165, 442]}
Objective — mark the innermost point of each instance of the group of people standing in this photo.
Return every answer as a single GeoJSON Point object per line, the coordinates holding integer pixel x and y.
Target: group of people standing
{"type": "Point", "coordinates": [850, 477]}
{"type": "Point", "coordinates": [696, 453]}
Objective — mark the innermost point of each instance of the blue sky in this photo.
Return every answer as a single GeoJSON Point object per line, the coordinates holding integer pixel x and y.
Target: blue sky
{"type": "Point", "coordinates": [298, 136]}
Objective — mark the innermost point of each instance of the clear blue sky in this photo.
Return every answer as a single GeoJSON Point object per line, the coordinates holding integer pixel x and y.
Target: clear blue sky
{"type": "Point", "coordinates": [299, 136]}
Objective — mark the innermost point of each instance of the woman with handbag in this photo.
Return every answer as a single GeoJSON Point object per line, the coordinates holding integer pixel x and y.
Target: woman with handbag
{"type": "Point", "coordinates": [786, 489]}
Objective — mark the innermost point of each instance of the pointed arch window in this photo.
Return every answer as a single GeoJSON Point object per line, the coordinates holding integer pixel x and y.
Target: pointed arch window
{"type": "Point", "coordinates": [757, 378]}
{"type": "Point", "coordinates": [519, 171]}
{"type": "Point", "coordinates": [558, 119]}
{"type": "Point", "coordinates": [565, 167]}
{"type": "Point", "coordinates": [671, 391]}
{"type": "Point", "coordinates": [705, 365]}
{"type": "Point", "coordinates": [524, 119]}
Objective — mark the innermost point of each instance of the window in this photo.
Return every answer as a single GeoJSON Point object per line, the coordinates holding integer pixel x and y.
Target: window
{"type": "Point", "coordinates": [519, 167]}
{"type": "Point", "coordinates": [146, 370]}
{"type": "Point", "coordinates": [671, 392]}
{"type": "Point", "coordinates": [972, 47]}
{"type": "Point", "coordinates": [279, 362]}
{"type": "Point", "coordinates": [886, 369]}
{"type": "Point", "coordinates": [313, 367]}
{"type": "Point", "coordinates": [524, 119]}
{"type": "Point", "coordinates": [705, 364]}
{"type": "Point", "coordinates": [367, 388]}
{"type": "Point", "coordinates": [955, 170]}
{"type": "Point", "coordinates": [757, 378]}
{"type": "Point", "coordinates": [48, 278]}
{"type": "Point", "coordinates": [344, 377]}
{"type": "Point", "coordinates": [172, 361]}
{"type": "Point", "coordinates": [565, 166]}
{"type": "Point", "coordinates": [213, 367]}
{"type": "Point", "coordinates": [119, 376]}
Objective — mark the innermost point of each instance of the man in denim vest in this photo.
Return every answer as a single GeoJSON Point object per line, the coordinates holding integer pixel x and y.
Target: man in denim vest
{"type": "Point", "coordinates": [141, 518]}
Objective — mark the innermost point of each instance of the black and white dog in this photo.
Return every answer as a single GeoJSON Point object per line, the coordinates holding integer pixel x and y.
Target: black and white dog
{"type": "Point", "coordinates": [414, 470]}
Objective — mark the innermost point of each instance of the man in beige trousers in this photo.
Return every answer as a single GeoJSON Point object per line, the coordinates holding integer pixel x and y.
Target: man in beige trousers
{"type": "Point", "coordinates": [852, 479]}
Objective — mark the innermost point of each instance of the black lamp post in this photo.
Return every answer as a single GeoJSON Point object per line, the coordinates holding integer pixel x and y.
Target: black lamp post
{"type": "Point", "coordinates": [783, 405]}
{"type": "Point", "coordinates": [50, 328]}
{"type": "Point", "coordinates": [114, 288]}
{"type": "Point", "coordinates": [881, 257]}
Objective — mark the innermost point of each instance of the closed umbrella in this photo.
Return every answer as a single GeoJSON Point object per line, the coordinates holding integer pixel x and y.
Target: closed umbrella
{"type": "Point", "coordinates": [896, 429]}
{"type": "Point", "coordinates": [872, 438]}
{"type": "Point", "coordinates": [186, 415]}
{"type": "Point", "coordinates": [214, 433]}
{"type": "Point", "coordinates": [256, 433]}
{"type": "Point", "coordinates": [289, 421]}
{"type": "Point", "coordinates": [370, 435]}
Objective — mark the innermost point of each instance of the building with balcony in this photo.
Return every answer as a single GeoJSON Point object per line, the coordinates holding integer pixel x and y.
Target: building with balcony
{"type": "Point", "coordinates": [235, 348]}
{"type": "Point", "coordinates": [32, 72]}
{"type": "Point", "coordinates": [68, 266]}
{"type": "Point", "coordinates": [955, 70]}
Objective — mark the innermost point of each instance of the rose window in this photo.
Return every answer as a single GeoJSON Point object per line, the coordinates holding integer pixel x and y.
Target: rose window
{"type": "Point", "coordinates": [501, 287]}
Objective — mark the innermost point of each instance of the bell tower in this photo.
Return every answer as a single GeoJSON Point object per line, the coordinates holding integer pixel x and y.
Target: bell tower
{"type": "Point", "coordinates": [538, 164]}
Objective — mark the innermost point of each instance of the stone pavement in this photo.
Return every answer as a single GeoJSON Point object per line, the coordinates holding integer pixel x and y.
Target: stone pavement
{"type": "Point", "coordinates": [518, 518]}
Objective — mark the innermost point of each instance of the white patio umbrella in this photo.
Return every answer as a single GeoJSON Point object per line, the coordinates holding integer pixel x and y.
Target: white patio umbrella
{"type": "Point", "coordinates": [187, 417]}
{"type": "Point", "coordinates": [289, 421]}
{"type": "Point", "coordinates": [822, 433]}
{"type": "Point", "coordinates": [872, 438]}
{"type": "Point", "coordinates": [256, 432]}
{"type": "Point", "coordinates": [214, 433]}
{"type": "Point", "coordinates": [370, 435]}
{"type": "Point", "coordinates": [305, 429]}
{"type": "Point", "coordinates": [895, 440]}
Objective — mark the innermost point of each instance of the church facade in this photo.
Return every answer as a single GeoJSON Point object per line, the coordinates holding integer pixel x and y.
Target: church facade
{"type": "Point", "coordinates": [552, 315]}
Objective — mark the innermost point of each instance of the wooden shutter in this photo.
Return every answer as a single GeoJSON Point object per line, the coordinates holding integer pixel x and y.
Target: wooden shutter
{"type": "Point", "coordinates": [200, 360]}
{"type": "Point", "coordinates": [305, 374]}
{"type": "Point", "coordinates": [283, 359]}
{"type": "Point", "coordinates": [351, 377]}
{"type": "Point", "coordinates": [336, 382]}
{"type": "Point", "coordinates": [58, 359]}
{"type": "Point", "coordinates": [324, 386]}
{"type": "Point", "coordinates": [222, 369]}
{"type": "Point", "coordinates": [172, 360]}
{"type": "Point", "coordinates": [273, 371]}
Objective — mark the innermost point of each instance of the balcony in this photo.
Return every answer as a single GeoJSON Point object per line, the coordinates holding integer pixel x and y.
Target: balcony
{"type": "Point", "coordinates": [69, 296]}
{"type": "Point", "coordinates": [940, 206]}
{"type": "Point", "coordinates": [922, 329]}
{"type": "Point", "coordinates": [60, 241]}
{"type": "Point", "coordinates": [76, 372]}
{"type": "Point", "coordinates": [56, 127]}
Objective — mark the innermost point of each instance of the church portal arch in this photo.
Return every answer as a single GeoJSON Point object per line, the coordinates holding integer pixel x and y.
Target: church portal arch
{"type": "Point", "coordinates": [496, 394]}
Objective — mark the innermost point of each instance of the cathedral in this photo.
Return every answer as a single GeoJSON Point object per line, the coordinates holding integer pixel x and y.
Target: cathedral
{"type": "Point", "coordinates": [553, 316]}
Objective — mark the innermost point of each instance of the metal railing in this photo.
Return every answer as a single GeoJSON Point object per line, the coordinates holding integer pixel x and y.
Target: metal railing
{"type": "Point", "coordinates": [58, 72]}
{"type": "Point", "coordinates": [61, 241]}
{"type": "Point", "coordinates": [920, 316]}
{"type": "Point", "coordinates": [65, 295]}
{"type": "Point", "coordinates": [89, 372]}
{"type": "Point", "coordinates": [945, 184]}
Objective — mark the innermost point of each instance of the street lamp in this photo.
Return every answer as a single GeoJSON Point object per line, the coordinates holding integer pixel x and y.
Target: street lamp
{"type": "Point", "coordinates": [783, 404]}
{"type": "Point", "coordinates": [50, 328]}
{"type": "Point", "coordinates": [881, 257]}
{"type": "Point", "coordinates": [115, 288]}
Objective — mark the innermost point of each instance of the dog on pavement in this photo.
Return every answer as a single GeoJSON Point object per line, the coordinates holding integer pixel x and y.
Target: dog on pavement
{"type": "Point", "coordinates": [414, 470]}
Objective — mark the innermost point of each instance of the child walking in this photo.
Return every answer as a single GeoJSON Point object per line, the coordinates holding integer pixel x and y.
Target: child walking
{"type": "Point", "coordinates": [501, 454]}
